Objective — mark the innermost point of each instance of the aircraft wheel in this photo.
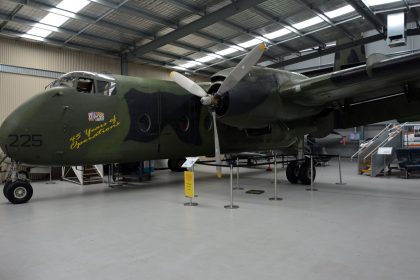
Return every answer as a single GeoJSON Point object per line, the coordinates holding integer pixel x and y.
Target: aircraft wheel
{"type": "Point", "coordinates": [18, 192]}
{"type": "Point", "coordinates": [292, 172]}
{"type": "Point", "coordinates": [6, 185]}
{"type": "Point", "coordinates": [305, 173]}
{"type": "Point", "coordinates": [175, 165]}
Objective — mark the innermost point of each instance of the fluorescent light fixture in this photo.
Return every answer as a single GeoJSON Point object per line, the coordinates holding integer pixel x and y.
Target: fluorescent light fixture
{"type": "Point", "coordinates": [206, 59]}
{"type": "Point", "coordinates": [54, 19]}
{"type": "Point", "coordinates": [32, 37]}
{"type": "Point", "coordinates": [331, 45]}
{"type": "Point", "coordinates": [38, 32]}
{"type": "Point", "coordinates": [307, 23]}
{"type": "Point", "coordinates": [277, 33]}
{"type": "Point", "coordinates": [340, 11]}
{"type": "Point", "coordinates": [227, 51]}
{"type": "Point", "coordinates": [250, 43]}
{"type": "Point", "coordinates": [379, 2]}
{"type": "Point", "coordinates": [72, 5]}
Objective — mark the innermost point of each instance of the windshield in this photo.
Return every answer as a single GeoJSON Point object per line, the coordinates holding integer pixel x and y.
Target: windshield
{"type": "Point", "coordinates": [87, 82]}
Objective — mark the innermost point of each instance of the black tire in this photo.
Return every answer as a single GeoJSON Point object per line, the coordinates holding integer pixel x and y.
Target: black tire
{"type": "Point", "coordinates": [292, 172]}
{"type": "Point", "coordinates": [175, 165]}
{"type": "Point", "coordinates": [19, 192]}
{"type": "Point", "coordinates": [305, 173]}
{"type": "Point", "coordinates": [6, 185]}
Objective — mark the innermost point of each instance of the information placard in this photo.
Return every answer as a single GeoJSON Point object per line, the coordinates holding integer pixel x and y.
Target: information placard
{"type": "Point", "coordinates": [385, 151]}
{"type": "Point", "coordinates": [190, 162]}
{"type": "Point", "coordinates": [189, 184]}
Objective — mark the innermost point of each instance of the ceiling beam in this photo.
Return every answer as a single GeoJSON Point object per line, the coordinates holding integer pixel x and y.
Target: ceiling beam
{"type": "Point", "coordinates": [286, 25]}
{"type": "Point", "coordinates": [209, 19]}
{"type": "Point", "coordinates": [367, 13]}
{"type": "Point", "coordinates": [317, 12]}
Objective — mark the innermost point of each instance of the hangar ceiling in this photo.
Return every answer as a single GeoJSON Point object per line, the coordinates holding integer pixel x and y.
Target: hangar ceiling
{"type": "Point", "coordinates": [196, 35]}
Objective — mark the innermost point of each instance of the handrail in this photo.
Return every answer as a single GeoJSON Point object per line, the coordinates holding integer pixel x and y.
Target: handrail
{"type": "Point", "coordinates": [371, 141]}
{"type": "Point", "coordinates": [389, 138]}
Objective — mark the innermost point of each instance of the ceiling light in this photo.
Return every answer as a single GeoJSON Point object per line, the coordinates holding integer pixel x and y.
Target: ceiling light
{"type": "Point", "coordinates": [379, 2]}
{"type": "Point", "coordinates": [277, 33]}
{"type": "Point", "coordinates": [340, 11]}
{"type": "Point", "coordinates": [250, 43]}
{"type": "Point", "coordinates": [227, 51]}
{"type": "Point", "coordinates": [72, 5]}
{"type": "Point", "coordinates": [307, 23]}
{"type": "Point", "coordinates": [54, 19]}
{"type": "Point", "coordinates": [178, 67]}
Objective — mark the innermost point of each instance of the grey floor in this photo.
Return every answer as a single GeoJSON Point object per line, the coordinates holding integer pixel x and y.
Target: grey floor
{"type": "Point", "coordinates": [367, 229]}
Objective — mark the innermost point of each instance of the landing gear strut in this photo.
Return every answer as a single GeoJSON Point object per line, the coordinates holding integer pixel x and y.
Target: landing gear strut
{"type": "Point", "coordinates": [300, 172]}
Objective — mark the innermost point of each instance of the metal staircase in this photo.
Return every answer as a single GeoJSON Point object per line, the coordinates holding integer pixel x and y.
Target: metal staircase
{"type": "Point", "coordinates": [83, 175]}
{"type": "Point", "coordinates": [369, 161]}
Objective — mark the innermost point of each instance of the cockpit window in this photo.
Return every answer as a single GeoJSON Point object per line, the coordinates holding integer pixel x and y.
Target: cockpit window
{"type": "Point", "coordinates": [85, 85]}
{"type": "Point", "coordinates": [87, 82]}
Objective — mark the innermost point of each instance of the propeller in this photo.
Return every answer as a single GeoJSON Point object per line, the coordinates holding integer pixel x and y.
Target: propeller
{"type": "Point", "coordinates": [235, 76]}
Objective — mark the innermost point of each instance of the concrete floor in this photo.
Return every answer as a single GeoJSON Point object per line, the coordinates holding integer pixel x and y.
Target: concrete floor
{"type": "Point", "coordinates": [367, 229]}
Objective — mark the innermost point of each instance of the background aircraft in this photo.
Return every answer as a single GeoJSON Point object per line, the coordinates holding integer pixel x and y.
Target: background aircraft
{"type": "Point", "coordinates": [89, 118]}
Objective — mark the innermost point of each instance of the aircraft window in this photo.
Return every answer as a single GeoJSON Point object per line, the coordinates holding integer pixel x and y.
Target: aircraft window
{"type": "Point", "coordinates": [208, 123]}
{"type": "Point", "coordinates": [65, 81]}
{"type": "Point", "coordinates": [145, 123]}
{"type": "Point", "coordinates": [106, 88]}
{"type": "Point", "coordinates": [184, 123]}
{"type": "Point", "coordinates": [85, 85]}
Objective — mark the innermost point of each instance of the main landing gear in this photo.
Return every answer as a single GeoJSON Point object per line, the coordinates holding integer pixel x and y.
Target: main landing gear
{"type": "Point", "coordinates": [17, 188]}
{"type": "Point", "coordinates": [300, 172]}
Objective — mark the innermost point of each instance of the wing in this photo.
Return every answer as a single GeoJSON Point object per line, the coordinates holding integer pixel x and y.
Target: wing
{"type": "Point", "coordinates": [383, 89]}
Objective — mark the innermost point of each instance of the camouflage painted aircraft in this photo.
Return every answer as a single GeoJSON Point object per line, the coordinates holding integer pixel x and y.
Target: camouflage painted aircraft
{"type": "Point", "coordinates": [89, 118]}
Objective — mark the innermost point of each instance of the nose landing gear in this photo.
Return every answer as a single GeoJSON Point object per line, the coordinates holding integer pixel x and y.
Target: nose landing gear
{"type": "Point", "coordinates": [300, 172]}
{"type": "Point", "coordinates": [17, 188]}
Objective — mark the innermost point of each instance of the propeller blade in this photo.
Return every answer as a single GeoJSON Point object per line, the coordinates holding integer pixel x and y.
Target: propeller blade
{"type": "Point", "coordinates": [216, 147]}
{"type": "Point", "coordinates": [242, 69]}
{"type": "Point", "coordinates": [187, 84]}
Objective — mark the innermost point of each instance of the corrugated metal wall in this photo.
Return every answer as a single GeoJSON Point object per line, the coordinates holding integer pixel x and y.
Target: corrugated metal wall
{"type": "Point", "coordinates": [15, 89]}
{"type": "Point", "coordinates": [40, 56]}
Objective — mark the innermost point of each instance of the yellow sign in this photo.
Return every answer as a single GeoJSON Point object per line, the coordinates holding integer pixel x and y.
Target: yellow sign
{"type": "Point", "coordinates": [90, 134]}
{"type": "Point", "coordinates": [189, 184]}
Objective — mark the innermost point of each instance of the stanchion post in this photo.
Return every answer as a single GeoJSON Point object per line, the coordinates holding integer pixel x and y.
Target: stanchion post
{"type": "Point", "coordinates": [237, 187]}
{"type": "Point", "coordinates": [339, 172]}
{"type": "Point", "coordinates": [312, 189]}
{"type": "Point", "coordinates": [50, 181]}
{"type": "Point", "coordinates": [231, 206]}
{"type": "Point", "coordinates": [275, 179]}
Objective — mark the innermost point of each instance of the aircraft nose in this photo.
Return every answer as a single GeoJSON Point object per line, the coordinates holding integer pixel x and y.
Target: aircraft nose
{"type": "Point", "coordinates": [7, 132]}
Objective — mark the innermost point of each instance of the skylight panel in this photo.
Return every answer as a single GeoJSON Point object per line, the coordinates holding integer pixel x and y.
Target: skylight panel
{"type": "Point", "coordinates": [277, 33]}
{"type": "Point", "coordinates": [206, 59]}
{"type": "Point", "coordinates": [227, 51]}
{"type": "Point", "coordinates": [72, 5]}
{"type": "Point", "coordinates": [179, 68]}
{"type": "Point", "coordinates": [379, 2]}
{"type": "Point", "coordinates": [54, 19]}
{"type": "Point", "coordinates": [32, 37]}
{"type": "Point", "coordinates": [190, 64]}
{"type": "Point", "coordinates": [39, 32]}
{"type": "Point", "coordinates": [340, 11]}
{"type": "Point", "coordinates": [46, 27]}
{"type": "Point", "coordinates": [307, 23]}
{"type": "Point", "coordinates": [250, 43]}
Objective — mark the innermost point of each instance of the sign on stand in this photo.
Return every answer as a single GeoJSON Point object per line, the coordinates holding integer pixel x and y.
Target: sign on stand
{"type": "Point", "coordinates": [189, 180]}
